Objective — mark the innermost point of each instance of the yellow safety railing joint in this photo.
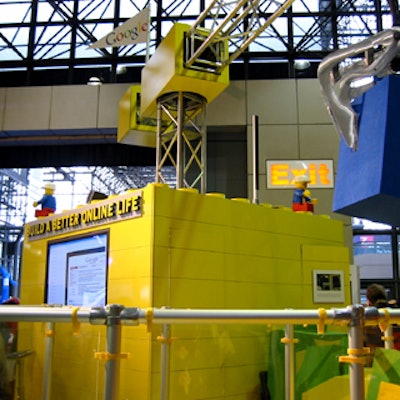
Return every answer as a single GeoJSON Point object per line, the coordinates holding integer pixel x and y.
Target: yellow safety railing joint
{"type": "Point", "coordinates": [323, 315]}
{"type": "Point", "coordinates": [106, 356]}
{"type": "Point", "coordinates": [359, 352]}
{"type": "Point", "coordinates": [355, 356]}
{"type": "Point", "coordinates": [149, 318]}
{"type": "Point", "coordinates": [165, 340]}
{"type": "Point", "coordinates": [352, 360]}
{"type": "Point", "coordinates": [75, 323]}
{"type": "Point", "coordinates": [383, 325]}
{"type": "Point", "coordinates": [286, 340]}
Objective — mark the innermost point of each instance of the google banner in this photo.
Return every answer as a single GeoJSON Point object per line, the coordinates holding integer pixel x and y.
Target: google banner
{"type": "Point", "coordinates": [135, 30]}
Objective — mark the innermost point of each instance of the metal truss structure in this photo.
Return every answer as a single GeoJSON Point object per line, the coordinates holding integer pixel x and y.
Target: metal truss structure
{"type": "Point", "coordinates": [13, 206]}
{"type": "Point", "coordinates": [239, 23]}
{"type": "Point", "coordinates": [46, 42]}
{"type": "Point", "coordinates": [106, 180]}
{"type": "Point", "coordinates": [182, 139]}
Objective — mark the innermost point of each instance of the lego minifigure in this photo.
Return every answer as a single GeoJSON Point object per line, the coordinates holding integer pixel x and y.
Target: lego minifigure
{"type": "Point", "coordinates": [302, 200]}
{"type": "Point", "coordinates": [48, 201]}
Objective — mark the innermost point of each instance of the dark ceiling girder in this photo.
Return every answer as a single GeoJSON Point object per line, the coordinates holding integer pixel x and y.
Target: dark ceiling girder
{"type": "Point", "coordinates": [10, 45]}
{"type": "Point", "coordinates": [79, 27]}
{"type": "Point", "coordinates": [298, 43]}
{"type": "Point", "coordinates": [76, 155]}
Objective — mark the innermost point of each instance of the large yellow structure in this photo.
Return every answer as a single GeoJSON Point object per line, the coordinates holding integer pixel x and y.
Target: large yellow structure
{"type": "Point", "coordinates": [132, 128]}
{"type": "Point", "coordinates": [164, 73]}
{"type": "Point", "coordinates": [181, 249]}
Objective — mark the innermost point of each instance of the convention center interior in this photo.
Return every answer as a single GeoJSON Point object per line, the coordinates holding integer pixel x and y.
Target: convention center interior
{"type": "Point", "coordinates": [199, 200]}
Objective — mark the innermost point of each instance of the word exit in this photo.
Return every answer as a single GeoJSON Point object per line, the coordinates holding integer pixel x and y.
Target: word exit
{"type": "Point", "coordinates": [281, 173]}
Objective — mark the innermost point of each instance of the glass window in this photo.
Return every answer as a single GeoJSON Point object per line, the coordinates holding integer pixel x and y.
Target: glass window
{"type": "Point", "coordinates": [373, 254]}
{"type": "Point", "coordinates": [15, 11]}
{"type": "Point", "coordinates": [129, 8]}
{"type": "Point", "coordinates": [96, 9]}
{"type": "Point", "coordinates": [48, 12]}
{"type": "Point", "coordinates": [361, 223]}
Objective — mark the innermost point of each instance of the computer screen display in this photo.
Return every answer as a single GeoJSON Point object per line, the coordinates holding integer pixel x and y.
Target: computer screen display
{"type": "Point", "coordinates": [77, 270]}
{"type": "Point", "coordinates": [363, 299]}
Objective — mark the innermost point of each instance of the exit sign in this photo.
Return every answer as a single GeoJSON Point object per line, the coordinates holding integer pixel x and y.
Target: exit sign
{"type": "Point", "coordinates": [281, 173]}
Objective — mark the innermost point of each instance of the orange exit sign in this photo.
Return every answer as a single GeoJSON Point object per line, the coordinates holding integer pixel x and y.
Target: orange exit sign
{"type": "Point", "coordinates": [281, 173]}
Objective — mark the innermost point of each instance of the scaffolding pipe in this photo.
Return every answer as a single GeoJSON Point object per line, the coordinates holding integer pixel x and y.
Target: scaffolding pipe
{"type": "Point", "coordinates": [48, 362]}
{"type": "Point", "coordinates": [183, 316]}
{"type": "Point", "coordinates": [112, 359]}
{"type": "Point", "coordinates": [135, 316]}
{"type": "Point", "coordinates": [254, 135]}
{"type": "Point", "coordinates": [165, 361]}
{"type": "Point", "coordinates": [158, 144]}
{"type": "Point", "coordinates": [15, 313]}
{"type": "Point", "coordinates": [289, 363]}
{"type": "Point", "coordinates": [355, 317]}
{"type": "Point", "coordinates": [356, 353]}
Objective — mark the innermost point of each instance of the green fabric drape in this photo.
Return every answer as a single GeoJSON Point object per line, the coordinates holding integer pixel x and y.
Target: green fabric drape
{"type": "Point", "coordinates": [386, 368]}
{"type": "Point", "coordinates": [316, 360]}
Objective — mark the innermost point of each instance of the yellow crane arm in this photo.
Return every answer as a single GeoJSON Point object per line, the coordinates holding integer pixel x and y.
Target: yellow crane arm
{"type": "Point", "coordinates": [237, 22]}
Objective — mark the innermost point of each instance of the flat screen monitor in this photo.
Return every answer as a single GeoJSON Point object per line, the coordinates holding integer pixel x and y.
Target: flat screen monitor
{"type": "Point", "coordinates": [77, 270]}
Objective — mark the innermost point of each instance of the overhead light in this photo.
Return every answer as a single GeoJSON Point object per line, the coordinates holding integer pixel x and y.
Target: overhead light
{"type": "Point", "coordinates": [301, 65]}
{"type": "Point", "coordinates": [94, 81]}
{"type": "Point", "coordinates": [121, 69]}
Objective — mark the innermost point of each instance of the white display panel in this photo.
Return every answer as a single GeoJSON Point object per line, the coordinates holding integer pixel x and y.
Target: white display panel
{"type": "Point", "coordinates": [328, 286]}
{"type": "Point", "coordinates": [77, 270]}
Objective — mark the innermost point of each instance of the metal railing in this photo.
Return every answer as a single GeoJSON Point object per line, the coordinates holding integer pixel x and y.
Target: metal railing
{"type": "Point", "coordinates": [355, 317]}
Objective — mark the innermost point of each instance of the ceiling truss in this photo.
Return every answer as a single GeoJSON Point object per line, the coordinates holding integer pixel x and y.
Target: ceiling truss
{"type": "Point", "coordinates": [48, 35]}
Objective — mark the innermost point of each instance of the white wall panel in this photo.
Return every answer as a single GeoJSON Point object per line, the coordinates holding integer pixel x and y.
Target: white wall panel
{"type": "Point", "coordinates": [229, 108]}
{"type": "Point", "coordinates": [318, 141]}
{"type": "Point", "coordinates": [273, 101]}
{"type": "Point", "coordinates": [275, 142]}
{"type": "Point", "coordinates": [312, 109]}
{"type": "Point", "coordinates": [3, 92]}
{"type": "Point", "coordinates": [27, 108]}
{"type": "Point", "coordinates": [74, 107]}
{"type": "Point", "coordinates": [110, 96]}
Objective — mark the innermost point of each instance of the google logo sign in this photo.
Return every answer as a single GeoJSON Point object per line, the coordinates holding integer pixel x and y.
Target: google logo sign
{"type": "Point", "coordinates": [116, 38]}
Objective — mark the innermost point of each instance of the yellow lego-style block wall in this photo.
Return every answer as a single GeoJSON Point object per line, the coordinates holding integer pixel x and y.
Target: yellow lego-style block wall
{"type": "Point", "coordinates": [183, 250]}
{"type": "Point", "coordinates": [166, 72]}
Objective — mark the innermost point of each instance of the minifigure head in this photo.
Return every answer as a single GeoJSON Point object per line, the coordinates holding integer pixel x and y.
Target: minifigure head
{"type": "Point", "coordinates": [301, 181]}
{"type": "Point", "coordinates": [49, 188]}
